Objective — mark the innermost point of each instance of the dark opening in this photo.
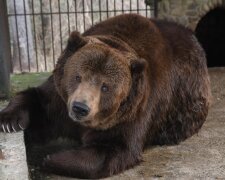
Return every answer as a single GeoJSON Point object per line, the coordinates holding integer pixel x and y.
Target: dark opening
{"type": "Point", "coordinates": [210, 32]}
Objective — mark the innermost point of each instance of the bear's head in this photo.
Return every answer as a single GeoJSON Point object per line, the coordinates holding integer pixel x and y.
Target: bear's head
{"type": "Point", "coordinates": [101, 85]}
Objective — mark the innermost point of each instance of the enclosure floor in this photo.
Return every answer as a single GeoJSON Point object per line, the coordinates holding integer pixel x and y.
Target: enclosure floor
{"type": "Point", "coordinates": [200, 157]}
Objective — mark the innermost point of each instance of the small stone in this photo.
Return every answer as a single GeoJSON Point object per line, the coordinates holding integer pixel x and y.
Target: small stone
{"type": "Point", "coordinates": [157, 176]}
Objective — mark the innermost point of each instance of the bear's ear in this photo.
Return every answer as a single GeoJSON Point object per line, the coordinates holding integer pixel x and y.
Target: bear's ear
{"type": "Point", "coordinates": [138, 66]}
{"type": "Point", "coordinates": [75, 41]}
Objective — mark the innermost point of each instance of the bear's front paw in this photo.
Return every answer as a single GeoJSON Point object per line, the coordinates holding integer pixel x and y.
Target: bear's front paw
{"type": "Point", "coordinates": [13, 120]}
{"type": "Point", "coordinates": [60, 163]}
{"type": "Point", "coordinates": [52, 160]}
{"type": "Point", "coordinates": [53, 164]}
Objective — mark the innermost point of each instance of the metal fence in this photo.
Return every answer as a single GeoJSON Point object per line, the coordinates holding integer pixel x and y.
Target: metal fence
{"type": "Point", "coordinates": [39, 29]}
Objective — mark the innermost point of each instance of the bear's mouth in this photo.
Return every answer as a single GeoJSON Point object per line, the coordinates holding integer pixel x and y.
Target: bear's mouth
{"type": "Point", "coordinates": [83, 121]}
{"type": "Point", "coordinates": [79, 119]}
{"type": "Point", "coordinates": [75, 117]}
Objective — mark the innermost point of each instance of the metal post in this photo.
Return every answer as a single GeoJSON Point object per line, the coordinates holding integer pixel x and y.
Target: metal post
{"type": "Point", "coordinates": [154, 4]}
{"type": "Point", "coordinates": [4, 51]}
{"type": "Point", "coordinates": [156, 8]}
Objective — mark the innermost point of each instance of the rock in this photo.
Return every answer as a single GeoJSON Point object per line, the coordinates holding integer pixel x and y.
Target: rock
{"type": "Point", "coordinates": [13, 164]}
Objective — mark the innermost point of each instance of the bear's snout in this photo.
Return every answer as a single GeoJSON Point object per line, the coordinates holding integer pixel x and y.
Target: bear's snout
{"type": "Point", "coordinates": [80, 109]}
{"type": "Point", "coordinates": [83, 103]}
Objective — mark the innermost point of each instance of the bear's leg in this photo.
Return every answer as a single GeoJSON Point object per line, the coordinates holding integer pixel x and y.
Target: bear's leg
{"type": "Point", "coordinates": [24, 106]}
{"type": "Point", "coordinates": [91, 162]}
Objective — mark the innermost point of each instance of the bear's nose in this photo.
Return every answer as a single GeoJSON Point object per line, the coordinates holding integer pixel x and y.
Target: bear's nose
{"type": "Point", "coordinates": [80, 109]}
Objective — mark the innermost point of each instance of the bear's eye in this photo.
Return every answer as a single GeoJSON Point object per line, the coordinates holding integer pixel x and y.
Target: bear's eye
{"type": "Point", "coordinates": [78, 78]}
{"type": "Point", "coordinates": [104, 88]}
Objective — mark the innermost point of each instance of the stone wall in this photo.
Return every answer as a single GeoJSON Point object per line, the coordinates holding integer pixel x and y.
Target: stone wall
{"type": "Point", "coordinates": [186, 12]}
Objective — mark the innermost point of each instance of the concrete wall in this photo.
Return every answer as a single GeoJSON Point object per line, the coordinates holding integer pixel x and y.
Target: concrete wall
{"type": "Point", "coordinates": [186, 12]}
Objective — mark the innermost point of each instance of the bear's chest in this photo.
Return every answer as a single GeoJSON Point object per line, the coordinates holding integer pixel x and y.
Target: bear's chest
{"type": "Point", "coordinates": [93, 137]}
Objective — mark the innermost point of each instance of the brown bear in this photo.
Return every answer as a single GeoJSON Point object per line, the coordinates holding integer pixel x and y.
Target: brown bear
{"type": "Point", "coordinates": [124, 83]}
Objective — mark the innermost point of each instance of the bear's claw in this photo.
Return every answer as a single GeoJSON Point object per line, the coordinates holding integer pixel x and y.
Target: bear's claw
{"type": "Point", "coordinates": [7, 127]}
{"type": "Point", "coordinates": [3, 128]}
{"type": "Point", "coordinates": [21, 127]}
{"type": "Point", "coordinates": [13, 121]}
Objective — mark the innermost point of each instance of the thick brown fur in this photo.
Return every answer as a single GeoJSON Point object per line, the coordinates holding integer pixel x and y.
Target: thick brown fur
{"type": "Point", "coordinates": [162, 95]}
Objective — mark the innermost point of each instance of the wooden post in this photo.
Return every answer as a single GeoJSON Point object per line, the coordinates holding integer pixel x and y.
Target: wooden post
{"type": "Point", "coordinates": [4, 51]}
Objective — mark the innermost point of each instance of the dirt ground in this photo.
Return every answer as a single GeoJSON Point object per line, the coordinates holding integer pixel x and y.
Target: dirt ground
{"type": "Point", "coordinates": [200, 157]}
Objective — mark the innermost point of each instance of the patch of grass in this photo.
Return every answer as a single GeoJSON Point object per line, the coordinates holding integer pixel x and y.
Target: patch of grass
{"type": "Point", "coordinates": [23, 81]}
{"type": "Point", "coordinates": [3, 104]}
{"type": "Point", "coordinates": [20, 82]}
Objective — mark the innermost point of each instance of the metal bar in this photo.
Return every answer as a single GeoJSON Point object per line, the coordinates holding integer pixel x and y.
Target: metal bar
{"type": "Point", "coordinates": [138, 6]}
{"type": "Point", "coordinates": [43, 35]}
{"type": "Point", "coordinates": [60, 25]}
{"type": "Point", "coordinates": [100, 10]}
{"type": "Point", "coordinates": [4, 51]}
{"type": "Point", "coordinates": [130, 6]}
{"type": "Point", "coordinates": [155, 8]}
{"type": "Point", "coordinates": [114, 7]}
{"type": "Point", "coordinates": [52, 29]}
{"type": "Point", "coordinates": [35, 40]}
{"type": "Point", "coordinates": [28, 51]}
{"type": "Point", "coordinates": [68, 16]}
{"type": "Point", "coordinates": [146, 12]}
{"type": "Point", "coordinates": [84, 15]}
{"type": "Point", "coordinates": [92, 16]}
{"type": "Point", "coordinates": [122, 6]}
{"type": "Point", "coordinates": [17, 36]}
{"type": "Point", "coordinates": [107, 8]}
{"type": "Point", "coordinates": [75, 12]}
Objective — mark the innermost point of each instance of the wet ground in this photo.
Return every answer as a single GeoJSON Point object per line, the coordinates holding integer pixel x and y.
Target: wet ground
{"type": "Point", "coordinates": [200, 157]}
